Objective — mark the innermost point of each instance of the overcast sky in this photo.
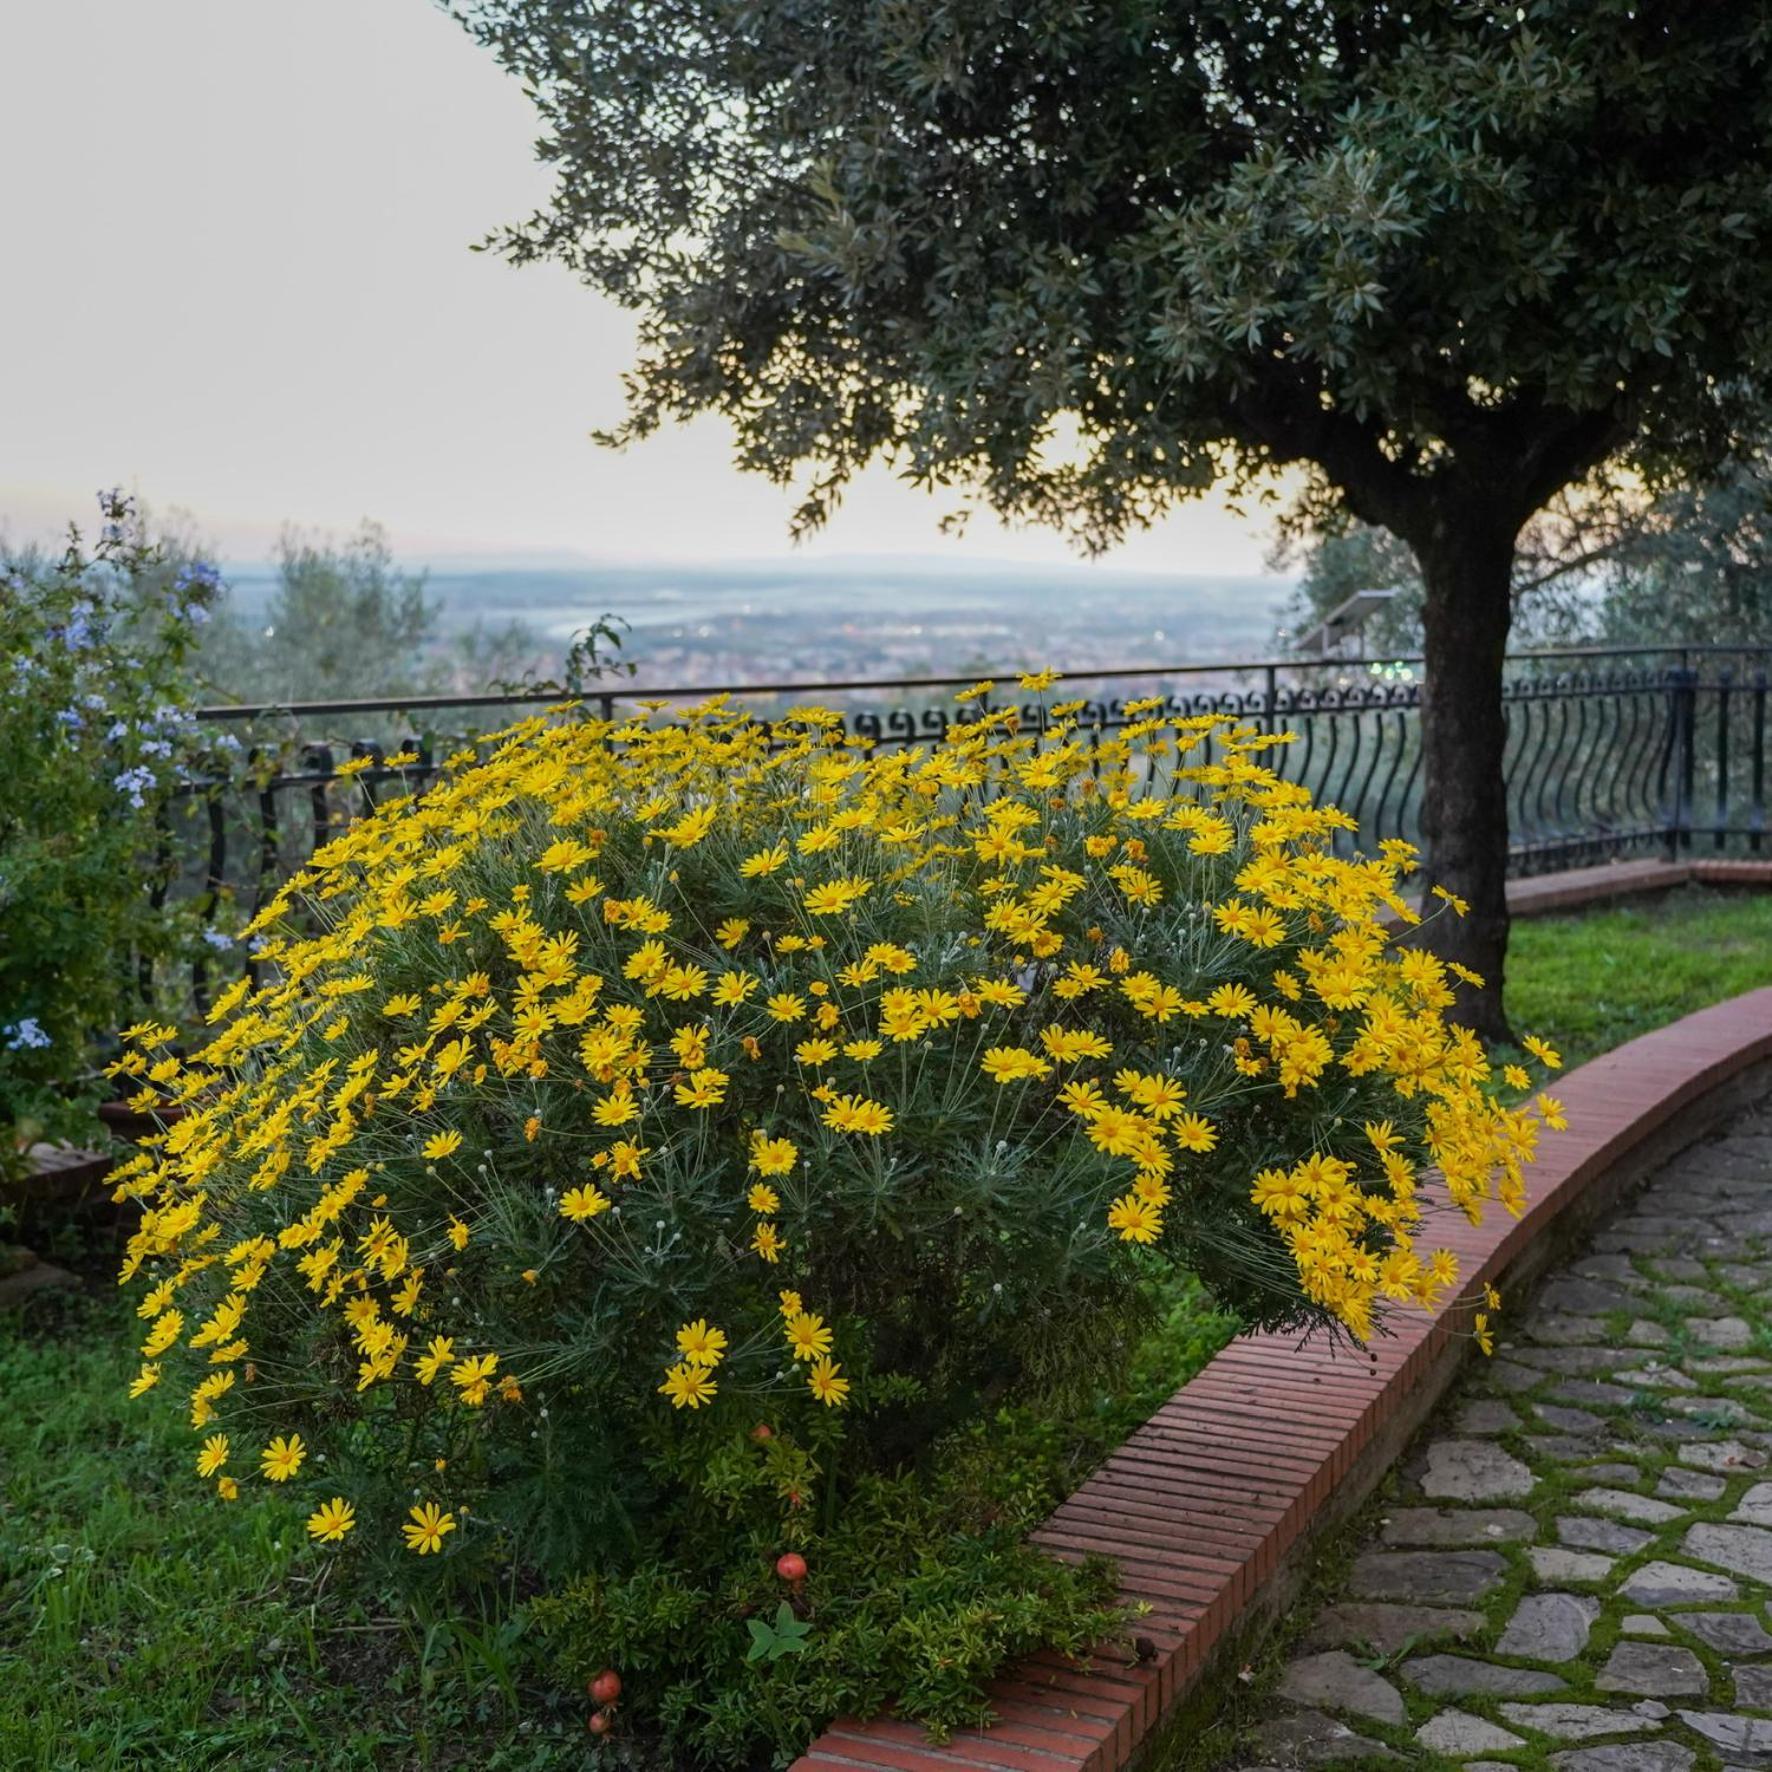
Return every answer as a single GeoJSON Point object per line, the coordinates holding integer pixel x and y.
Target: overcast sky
{"type": "Point", "coordinates": [238, 279]}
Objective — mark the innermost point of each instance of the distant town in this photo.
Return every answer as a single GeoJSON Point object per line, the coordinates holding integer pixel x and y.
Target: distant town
{"type": "Point", "coordinates": [694, 626]}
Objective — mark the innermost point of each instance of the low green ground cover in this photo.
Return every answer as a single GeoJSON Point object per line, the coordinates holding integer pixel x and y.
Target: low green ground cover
{"type": "Point", "coordinates": [1591, 981]}
{"type": "Point", "coordinates": [140, 1631]}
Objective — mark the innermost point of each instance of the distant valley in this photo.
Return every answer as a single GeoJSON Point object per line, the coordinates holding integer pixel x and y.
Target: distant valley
{"type": "Point", "coordinates": [769, 621]}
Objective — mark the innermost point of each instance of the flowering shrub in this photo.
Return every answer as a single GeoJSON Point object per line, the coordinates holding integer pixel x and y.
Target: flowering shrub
{"type": "Point", "coordinates": [95, 693]}
{"type": "Point", "coordinates": [656, 1136]}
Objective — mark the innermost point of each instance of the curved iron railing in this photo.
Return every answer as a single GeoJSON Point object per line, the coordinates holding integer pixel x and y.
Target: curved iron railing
{"type": "Point", "coordinates": [1610, 752]}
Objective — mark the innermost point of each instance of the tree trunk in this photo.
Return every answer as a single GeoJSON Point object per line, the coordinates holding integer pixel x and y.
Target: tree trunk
{"type": "Point", "coordinates": [1467, 566]}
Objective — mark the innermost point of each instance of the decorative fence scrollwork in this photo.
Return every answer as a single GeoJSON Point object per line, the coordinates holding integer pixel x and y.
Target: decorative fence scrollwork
{"type": "Point", "coordinates": [1610, 753]}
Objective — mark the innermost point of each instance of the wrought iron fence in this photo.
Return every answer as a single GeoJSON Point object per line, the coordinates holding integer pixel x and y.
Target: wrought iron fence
{"type": "Point", "coordinates": [1610, 751]}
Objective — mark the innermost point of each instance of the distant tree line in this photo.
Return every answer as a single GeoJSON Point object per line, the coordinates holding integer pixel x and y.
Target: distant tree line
{"type": "Point", "coordinates": [343, 622]}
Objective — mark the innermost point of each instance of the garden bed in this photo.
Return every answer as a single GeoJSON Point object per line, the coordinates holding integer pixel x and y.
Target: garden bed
{"type": "Point", "coordinates": [108, 1570]}
{"type": "Point", "coordinates": [136, 1619]}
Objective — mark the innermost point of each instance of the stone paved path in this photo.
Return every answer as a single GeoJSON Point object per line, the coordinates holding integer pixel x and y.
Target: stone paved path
{"type": "Point", "coordinates": [1576, 1566]}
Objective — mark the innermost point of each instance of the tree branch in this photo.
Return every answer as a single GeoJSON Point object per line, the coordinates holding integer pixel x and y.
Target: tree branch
{"type": "Point", "coordinates": [1564, 567]}
{"type": "Point", "coordinates": [1289, 422]}
{"type": "Point", "coordinates": [1566, 452]}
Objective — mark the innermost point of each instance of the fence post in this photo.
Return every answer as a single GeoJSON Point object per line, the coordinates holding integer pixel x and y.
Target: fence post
{"type": "Point", "coordinates": [1682, 714]}
{"type": "Point", "coordinates": [215, 879]}
{"type": "Point", "coordinates": [1725, 679]}
{"type": "Point", "coordinates": [160, 885]}
{"type": "Point", "coordinates": [317, 758]}
{"type": "Point", "coordinates": [1756, 812]}
{"type": "Point", "coordinates": [269, 848]}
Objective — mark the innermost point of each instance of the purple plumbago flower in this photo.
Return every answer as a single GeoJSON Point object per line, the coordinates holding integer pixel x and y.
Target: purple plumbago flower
{"type": "Point", "coordinates": [135, 783]}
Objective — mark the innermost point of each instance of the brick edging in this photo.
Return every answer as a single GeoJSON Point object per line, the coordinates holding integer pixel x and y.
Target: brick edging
{"type": "Point", "coordinates": [1539, 894]}
{"type": "Point", "coordinates": [1204, 1507]}
{"type": "Point", "coordinates": [64, 1175]}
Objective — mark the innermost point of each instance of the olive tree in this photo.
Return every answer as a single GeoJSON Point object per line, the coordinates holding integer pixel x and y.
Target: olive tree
{"type": "Point", "coordinates": [1450, 255]}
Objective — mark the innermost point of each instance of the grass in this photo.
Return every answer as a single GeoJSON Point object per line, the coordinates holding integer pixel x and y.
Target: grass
{"type": "Point", "coordinates": [1590, 981]}
{"type": "Point", "coordinates": [140, 1629]}
{"type": "Point", "coordinates": [140, 1632]}
{"type": "Point", "coordinates": [145, 1625]}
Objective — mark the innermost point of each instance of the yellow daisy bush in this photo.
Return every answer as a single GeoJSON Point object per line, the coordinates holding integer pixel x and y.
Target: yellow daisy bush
{"type": "Point", "coordinates": [640, 1081]}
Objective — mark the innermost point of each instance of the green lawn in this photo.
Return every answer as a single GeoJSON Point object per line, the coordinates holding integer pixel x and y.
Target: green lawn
{"type": "Point", "coordinates": [143, 1626]}
{"type": "Point", "coordinates": [1593, 980]}
{"type": "Point", "coordinates": [146, 1624]}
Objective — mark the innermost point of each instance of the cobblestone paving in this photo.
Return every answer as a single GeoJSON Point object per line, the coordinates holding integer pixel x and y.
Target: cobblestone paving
{"type": "Point", "coordinates": [1576, 1566]}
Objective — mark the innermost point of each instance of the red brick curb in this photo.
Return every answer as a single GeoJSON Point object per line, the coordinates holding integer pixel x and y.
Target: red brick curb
{"type": "Point", "coordinates": [1569, 890]}
{"type": "Point", "coordinates": [1203, 1506]}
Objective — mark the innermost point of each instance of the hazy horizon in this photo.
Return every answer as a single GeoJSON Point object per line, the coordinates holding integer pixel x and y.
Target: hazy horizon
{"type": "Point", "coordinates": [860, 616]}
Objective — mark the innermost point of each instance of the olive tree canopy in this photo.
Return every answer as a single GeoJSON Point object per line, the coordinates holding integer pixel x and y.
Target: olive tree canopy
{"type": "Point", "coordinates": [1453, 255]}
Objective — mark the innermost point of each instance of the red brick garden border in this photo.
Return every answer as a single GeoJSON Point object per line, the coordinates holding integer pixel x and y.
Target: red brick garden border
{"type": "Point", "coordinates": [1205, 1508]}
{"type": "Point", "coordinates": [1575, 887]}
